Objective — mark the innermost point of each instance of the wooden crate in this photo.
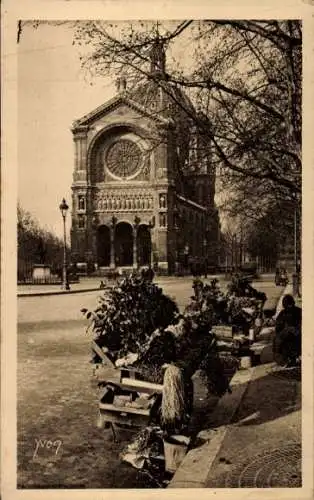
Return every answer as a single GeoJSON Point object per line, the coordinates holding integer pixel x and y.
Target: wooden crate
{"type": "Point", "coordinates": [124, 415]}
{"type": "Point", "coordinates": [126, 381]}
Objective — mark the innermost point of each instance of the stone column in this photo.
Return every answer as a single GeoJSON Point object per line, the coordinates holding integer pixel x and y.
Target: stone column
{"type": "Point", "coordinates": [76, 154]}
{"type": "Point", "coordinates": [89, 229]}
{"type": "Point", "coordinates": [112, 246]}
{"type": "Point", "coordinates": [151, 249]}
{"type": "Point", "coordinates": [137, 221]}
{"type": "Point", "coordinates": [135, 247]}
{"type": "Point", "coordinates": [80, 152]}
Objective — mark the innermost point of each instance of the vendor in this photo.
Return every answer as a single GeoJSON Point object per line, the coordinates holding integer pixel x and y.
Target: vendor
{"type": "Point", "coordinates": [287, 340]}
{"type": "Point", "coordinates": [148, 274]}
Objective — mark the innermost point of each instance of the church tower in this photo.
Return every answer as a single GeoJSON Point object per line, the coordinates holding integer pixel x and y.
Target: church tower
{"type": "Point", "coordinates": [158, 59]}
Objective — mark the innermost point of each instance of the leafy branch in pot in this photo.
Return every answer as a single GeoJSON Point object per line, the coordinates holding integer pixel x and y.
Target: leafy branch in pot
{"type": "Point", "coordinates": [128, 314]}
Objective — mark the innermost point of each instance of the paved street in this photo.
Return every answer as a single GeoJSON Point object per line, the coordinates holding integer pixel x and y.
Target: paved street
{"type": "Point", "coordinates": [66, 308]}
{"type": "Point", "coordinates": [56, 403]}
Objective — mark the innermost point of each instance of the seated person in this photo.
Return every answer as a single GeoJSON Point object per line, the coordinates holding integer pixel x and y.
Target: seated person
{"type": "Point", "coordinates": [287, 340]}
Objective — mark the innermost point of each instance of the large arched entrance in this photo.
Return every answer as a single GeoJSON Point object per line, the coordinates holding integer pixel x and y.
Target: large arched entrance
{"type": "Point", "coordinates": [103, 246]}
{"type": "Point", "coordinates": [124, 244]}
{"type": "Point", "coordinates": [144, 245]}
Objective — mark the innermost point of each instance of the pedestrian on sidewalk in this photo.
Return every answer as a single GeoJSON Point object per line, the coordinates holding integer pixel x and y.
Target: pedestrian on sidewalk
{"type": "Point", "coordinates": [287, 340]}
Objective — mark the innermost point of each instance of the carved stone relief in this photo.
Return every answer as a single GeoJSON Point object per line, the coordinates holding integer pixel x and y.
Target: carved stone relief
{"type": "Point", "coordinates": [122, 202]}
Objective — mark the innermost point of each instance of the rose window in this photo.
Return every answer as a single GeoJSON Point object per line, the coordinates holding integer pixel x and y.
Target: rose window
{"type": "Point", "coordinates": [124, 158]}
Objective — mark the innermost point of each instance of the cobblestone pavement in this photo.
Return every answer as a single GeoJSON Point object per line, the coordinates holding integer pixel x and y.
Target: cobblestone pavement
{"type": "Point", "coordinates": [262, 447]}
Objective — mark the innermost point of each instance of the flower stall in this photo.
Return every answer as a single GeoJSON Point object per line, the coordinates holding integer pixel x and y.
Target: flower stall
{"type": "Point", "coordinates": [154, 351]}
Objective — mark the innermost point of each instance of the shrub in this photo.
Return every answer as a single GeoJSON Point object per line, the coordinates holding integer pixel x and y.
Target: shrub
{"type": "Point", "coordinates": [129, 313]}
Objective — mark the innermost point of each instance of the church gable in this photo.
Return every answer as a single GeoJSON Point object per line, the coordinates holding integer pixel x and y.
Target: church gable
{"type": "Point", "coordinates": [119, 108]}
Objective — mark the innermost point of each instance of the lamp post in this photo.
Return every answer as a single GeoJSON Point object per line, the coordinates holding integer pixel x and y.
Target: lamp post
{"type": "Point", "coordinates": [63, 209]}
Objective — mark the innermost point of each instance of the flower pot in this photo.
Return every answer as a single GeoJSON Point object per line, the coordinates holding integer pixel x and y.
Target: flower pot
{"type": "Point", "coordinates": [175, 449]}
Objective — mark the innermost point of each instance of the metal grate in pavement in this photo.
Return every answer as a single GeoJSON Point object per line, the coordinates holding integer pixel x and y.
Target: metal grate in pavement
{"type": "Point", "coordinates": [278, 468]}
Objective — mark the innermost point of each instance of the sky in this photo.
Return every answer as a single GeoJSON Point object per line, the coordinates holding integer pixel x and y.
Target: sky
{"type": "Point", "coordinates": [53, 91]}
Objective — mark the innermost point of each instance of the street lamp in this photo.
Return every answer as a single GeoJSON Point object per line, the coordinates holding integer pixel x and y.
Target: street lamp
{"type": "Point", "coordinates": [63, 209]}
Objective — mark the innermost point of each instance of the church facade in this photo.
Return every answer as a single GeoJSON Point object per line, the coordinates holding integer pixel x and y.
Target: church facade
{"type": "Point", "coordinates": [143, 186]}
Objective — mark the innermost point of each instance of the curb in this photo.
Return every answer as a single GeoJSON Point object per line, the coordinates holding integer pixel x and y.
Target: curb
{"type": "Point", "coordinates": [194, 469]}
{"type": "Point", "coordinates": [58, 292]}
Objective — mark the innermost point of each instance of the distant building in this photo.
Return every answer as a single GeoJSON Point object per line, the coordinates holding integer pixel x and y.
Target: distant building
{"type": "Point", "coordinates": [143, 185]}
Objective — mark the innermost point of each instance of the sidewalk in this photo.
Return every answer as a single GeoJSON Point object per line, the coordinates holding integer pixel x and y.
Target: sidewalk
{"type": "Point", "coordinates": [85, 285]}
{"type": "Point", "coordinates": [257, 445]}
{"type": "Point", "coordinates": [252, 439]}
{"type": "Point", "coordinates": [262, 446]}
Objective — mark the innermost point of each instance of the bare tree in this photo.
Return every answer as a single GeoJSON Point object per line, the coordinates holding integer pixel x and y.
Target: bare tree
{"type": "Point", "coordinates": [245, 76]}
{"type": "Point", "coordinates": [36, 245]}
